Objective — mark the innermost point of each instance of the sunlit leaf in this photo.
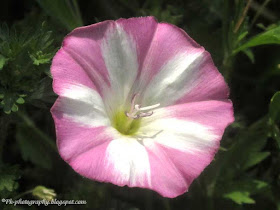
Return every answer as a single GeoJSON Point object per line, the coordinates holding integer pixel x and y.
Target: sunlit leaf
{"type": "Point", "coordinates": [40, 58]}
{"type": "Point", "coordinates": [242, 36]}
{"type": "Point", "coordinates": [240, 197]}
{"type": "Point", "coordinates": [20, 100]}
{"type": "Point", "coordinates": [271, 36]}
{"type": "Point", "coordinates": [14, 108]}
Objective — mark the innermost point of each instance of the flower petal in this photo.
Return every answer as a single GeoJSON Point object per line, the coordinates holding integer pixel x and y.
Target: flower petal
{"type": "Point", "coordinates": [82, 105]}
{"type": "Point", "coordinates": [120, 55]}
{"type": "Point", "coordinates": [83, 47]}
{"type": "Point", "coordinates": [65, 71]}
{"type": "Point", "coordinates": [207, 83]}
{"type": "Point", "coordinates": [173, 171]}
{"type": "Point", "coordinates": [168, 42]}
{"type": "Point", "coordinates": [175, 79]}
{"type": "Point", "coordinates": [186, 78]}
{"type": "Point", "coordinates": [122, 161]}
{"type": "Point", "coordinates": [142, 29]}
{"type": "Point", "coordinates": [182, 140]}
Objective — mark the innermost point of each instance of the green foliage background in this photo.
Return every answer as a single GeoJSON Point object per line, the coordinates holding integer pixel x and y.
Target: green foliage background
{"type": "Point", "coordinates": [243, 37]}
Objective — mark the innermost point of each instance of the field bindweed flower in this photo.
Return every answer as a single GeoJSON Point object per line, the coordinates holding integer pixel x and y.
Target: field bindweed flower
{"type": "Point", "coordinates": [140, 104]}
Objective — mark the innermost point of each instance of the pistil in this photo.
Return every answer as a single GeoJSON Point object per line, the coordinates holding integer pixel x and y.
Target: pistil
{"type": "Point", "coordinates": [136, 111]}
{"type": "Point", "coordinates": [128, 122]}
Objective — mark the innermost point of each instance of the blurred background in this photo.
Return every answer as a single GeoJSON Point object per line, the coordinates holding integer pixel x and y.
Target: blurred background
{"type": "Point", "coordinates": [243, 37]}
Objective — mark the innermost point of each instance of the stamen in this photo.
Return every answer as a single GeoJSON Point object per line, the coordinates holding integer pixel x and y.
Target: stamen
{"type": "Point", "coordinates": [149, 107]}
{"type": "Point", "coordinates": [136, 111]}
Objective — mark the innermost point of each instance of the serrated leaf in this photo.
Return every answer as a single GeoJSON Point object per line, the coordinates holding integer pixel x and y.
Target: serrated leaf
{"type": "Point", "coordinates": [40, 58]}
{"type": "Point", "coordinates": [8, 177]}
{"type": "Point", "coordinates": [240, 197]}
{"type": "Point", "coordinates": [271, 36]}
{"type": "Point", "coordinates": [32, 149]}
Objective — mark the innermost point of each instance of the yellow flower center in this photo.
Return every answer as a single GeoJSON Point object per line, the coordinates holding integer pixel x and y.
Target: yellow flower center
{"type": "Point", "coordinates": [125, 125]}
{"type": "Point", "coordinates": [128, 122]}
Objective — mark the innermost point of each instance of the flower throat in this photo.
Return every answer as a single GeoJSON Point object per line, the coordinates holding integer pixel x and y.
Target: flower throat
{"type": "Point", "coordinates": [128, 122]}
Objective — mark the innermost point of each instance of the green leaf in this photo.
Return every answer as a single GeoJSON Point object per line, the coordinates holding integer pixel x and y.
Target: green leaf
{"type": "Point", "coordinates": [250, 54]}
{"type": "Point", "coordinates": [40, 58]}
{"type": "Point", "coordinates": [274, 107]}
{"type": "Point", "coordinates": [43, 94]}
{"type": "Point", "coordinates": [32, 149]}
{"type": "Point", "coordinates": [261, 26]}
{"type": "Point", "coordinates": [240, 197]}
{"type": "Point", "coordinates": [242, 36]}
{"type": "Point", "coordinates": [271, 36]}
{"type": "Point", "coordinates": [20, 100]}
{"type": "Point", "coordinates": [8, 177]}
{"type": "Point", "coordinates": [260, 184]}
{"type": "Point", "coordinates": [14, 108]}
{"type": "Point", "coordinates": [255, 158]}
{"type": "Point", "coordinates": [2, 61]}
{"type": "Point", "coordinates": [249, 141]}
{"type": "Point", "coordinates": [276, 134]}
{"type": "Point", "coordinates": [65, 11]}
{"type": "Point", "coordinates": [9, 100]}
{"type": "Point", "coordinates": [252, 186]}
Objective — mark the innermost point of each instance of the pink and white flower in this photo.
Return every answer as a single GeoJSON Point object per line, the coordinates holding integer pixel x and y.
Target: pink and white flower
{"type": "Point", "coordinates": [140, 104]}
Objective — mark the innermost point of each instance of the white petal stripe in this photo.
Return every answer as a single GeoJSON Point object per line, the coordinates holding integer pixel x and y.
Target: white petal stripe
{"type": "Point", "coordinates": [174, 79]}
{"type": "Point", "coordinates": [120, 56]}
{"type": "Point", "coordinates": [178, 134]}
{"type": "Point", "coordinates": [129, 160]}
{"type": "Point", "coordinates": [83, 105]}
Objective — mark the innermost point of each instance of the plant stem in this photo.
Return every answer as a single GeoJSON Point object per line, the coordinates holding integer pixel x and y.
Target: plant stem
{"type": "Point", "coordinates": [260, 10]}
{"type": "Point", "coordinates": [265, 13]}
{"type": "Point", "coordinates": [31, 124]}
{"type": "Point", "coordinates": [241, 19]}
{"type": "Point", "coordinates": [22, 194]}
